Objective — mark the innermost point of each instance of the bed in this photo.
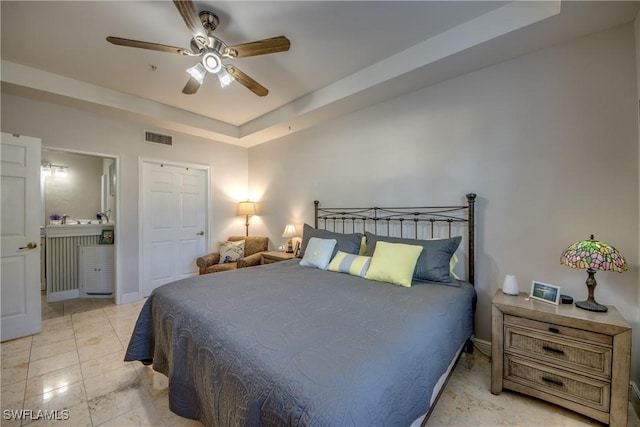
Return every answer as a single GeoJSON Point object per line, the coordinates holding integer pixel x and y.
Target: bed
{"type": "Point", "coordinates": [286, 344]}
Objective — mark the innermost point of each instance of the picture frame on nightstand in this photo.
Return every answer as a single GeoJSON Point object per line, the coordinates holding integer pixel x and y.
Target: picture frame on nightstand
{"type": "Point", "coordinates": [545, 292]}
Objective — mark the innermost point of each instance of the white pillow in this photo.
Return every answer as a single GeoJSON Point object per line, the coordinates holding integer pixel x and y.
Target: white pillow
{"type": "Point", "coordinates": [318, 253]}
{"type": "Point", "coordinates": [231, 251]}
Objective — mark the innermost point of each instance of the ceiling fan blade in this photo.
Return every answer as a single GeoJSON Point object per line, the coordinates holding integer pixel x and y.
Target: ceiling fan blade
{"type": "Point", "coordinates": [260, 47]}
{"type": "Point", "coordinates": [188, 12]}
{"type": "Point", "coordinates": [191, 87]}
{"type": "Point", "coordinates": [147, 45]}
{"type": "Point", "coordinates": [246, 81]}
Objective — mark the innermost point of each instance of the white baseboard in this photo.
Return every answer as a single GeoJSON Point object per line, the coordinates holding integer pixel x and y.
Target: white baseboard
{"type": "Point", "coordinates": [634, 397]}
{"type": "Point", "coordinates": [483, 346]}
{"type": "Point", "coordinates": [63, 295]}
{"type": "Point", "coordinates": [95, 296]}
{"type": "Point", "coordinates": [129, 298]}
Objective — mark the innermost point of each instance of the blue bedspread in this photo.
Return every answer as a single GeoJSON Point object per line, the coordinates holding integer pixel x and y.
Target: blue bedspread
{"type": "Point", "coordinates": [286, 345]}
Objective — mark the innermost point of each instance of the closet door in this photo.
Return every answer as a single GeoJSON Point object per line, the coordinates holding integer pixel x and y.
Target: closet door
{"type": "Point", "coordinates": [174, 213]}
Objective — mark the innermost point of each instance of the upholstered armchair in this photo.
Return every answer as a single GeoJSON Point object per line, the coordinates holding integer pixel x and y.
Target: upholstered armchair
{"type": "Point", "coordinates": [253, 248]}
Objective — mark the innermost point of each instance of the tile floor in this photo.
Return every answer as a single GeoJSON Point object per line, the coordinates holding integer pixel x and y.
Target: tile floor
{"type": "Point", "coordinates": [51, 310]}
{"type": "Point", "coordinates": [76, 365]}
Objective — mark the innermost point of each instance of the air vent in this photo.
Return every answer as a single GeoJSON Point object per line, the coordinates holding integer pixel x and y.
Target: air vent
{"type": "Point", "coordinates": [157, 138]}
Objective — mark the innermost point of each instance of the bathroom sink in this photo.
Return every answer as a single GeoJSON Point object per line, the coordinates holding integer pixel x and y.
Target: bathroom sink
{"type": "Point", "coordinates": [79, 222]}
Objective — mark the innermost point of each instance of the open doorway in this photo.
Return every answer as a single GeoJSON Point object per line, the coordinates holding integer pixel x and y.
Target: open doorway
{"type": "Point", "coordinates": [79, 207]}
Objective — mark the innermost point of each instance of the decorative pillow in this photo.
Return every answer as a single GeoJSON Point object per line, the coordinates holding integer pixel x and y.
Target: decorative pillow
{"type": "Point", "coordinates": [393, 263]}
{"type": "Point", "coordinates": [318, 253]}
{"type": "Point", "coordinates": [452, 265]}
{"type": "Point", "coordinates": [349, 243]}
{"type": "Point", "coordinates": [231, 251]}
{"type": "Point", "coordinates": [356, 265]}
{"type": "Point", "coordinates": [434, 261]}
{"type": "Point", "coordinates": [363, 245]}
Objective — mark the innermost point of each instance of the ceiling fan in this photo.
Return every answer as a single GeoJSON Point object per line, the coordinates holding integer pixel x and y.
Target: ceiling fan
{"type": "Point", "coordinates": [212, 50]}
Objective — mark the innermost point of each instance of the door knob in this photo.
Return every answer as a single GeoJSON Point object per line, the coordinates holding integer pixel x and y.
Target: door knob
{"type": "Point", "coordinates": [30, 245]}
{"type": "Point", "coordinates": [201, 233]}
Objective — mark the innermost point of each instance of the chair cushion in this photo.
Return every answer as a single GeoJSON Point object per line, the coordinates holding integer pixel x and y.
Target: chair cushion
{"type": "Point", "coordinates": [253, 246]}
{"type": "Point", "coordinates": [219, 267]}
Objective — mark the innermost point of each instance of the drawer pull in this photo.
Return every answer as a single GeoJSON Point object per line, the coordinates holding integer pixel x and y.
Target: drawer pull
{"type": "Point", "coordinates": [553, 350]}
{"type": "Point", "coordinates": [553, 381]}
{"type": "Point", "coordinates": [554, 330]}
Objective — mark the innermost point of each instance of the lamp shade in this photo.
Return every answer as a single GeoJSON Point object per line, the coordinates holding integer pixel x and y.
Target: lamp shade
{"type": "Point", "coordinates": [247, 208]}
{"type": "Point", "coordinates": [594, 255]}
{"type": "Point", "coordinates": [290, 231]}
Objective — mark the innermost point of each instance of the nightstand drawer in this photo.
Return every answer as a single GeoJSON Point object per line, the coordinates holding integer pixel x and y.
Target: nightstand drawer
{"type": "Point", "coordinates": [571, 357]}
{"type": "Point", "coordinates": [562, 384]}
{"type": "Point", "coordinates": [558, 330]}
{"type": "Point", "coordinates": [269, 257]}
{"type": "Point", "coordinates": [267, 260]}
{"type": "Point", "coordinates": [580, 356]}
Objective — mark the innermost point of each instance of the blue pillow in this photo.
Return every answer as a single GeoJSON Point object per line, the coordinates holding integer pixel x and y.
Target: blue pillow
{"type": "Point", "coordinates": [349, 243]}
{"type": "Point", "coordinates": [319, 252]}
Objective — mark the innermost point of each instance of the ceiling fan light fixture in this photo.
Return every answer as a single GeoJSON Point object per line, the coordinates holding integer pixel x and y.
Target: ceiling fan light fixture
{"type": "Point", "coordinates": [225, 78]}
{"type": "Point", "coordinates": [211, 50]}
{"type": "Point", "coordinates": [197, 72]}
{"type": "Point", "coordinates": [212, 62]}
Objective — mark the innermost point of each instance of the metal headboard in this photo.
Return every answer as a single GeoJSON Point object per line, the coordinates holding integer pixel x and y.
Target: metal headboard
{"type": "Point", "coordinates": [406, 222]}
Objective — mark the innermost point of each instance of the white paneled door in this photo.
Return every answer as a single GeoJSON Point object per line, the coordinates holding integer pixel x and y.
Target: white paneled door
{"type": "Point", "coordinates": [174, 214]}
{"type": "Point", "coordinates": [20, 236]}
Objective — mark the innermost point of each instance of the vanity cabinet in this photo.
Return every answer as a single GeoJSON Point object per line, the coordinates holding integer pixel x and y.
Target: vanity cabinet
{"type": "Point", "coordinates": [62, 258]}
{"type": "Point", "coordinates": [96, 270]}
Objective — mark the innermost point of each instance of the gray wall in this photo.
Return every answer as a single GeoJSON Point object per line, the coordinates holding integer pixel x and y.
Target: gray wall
{"type": "Point", "coordinates": [548, 141]}
{"type": "Point", "coordinates": [84, 131]}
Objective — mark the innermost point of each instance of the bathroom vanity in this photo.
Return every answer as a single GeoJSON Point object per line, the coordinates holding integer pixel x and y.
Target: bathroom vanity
{"type": "Point", "coordinates": [77, 265]}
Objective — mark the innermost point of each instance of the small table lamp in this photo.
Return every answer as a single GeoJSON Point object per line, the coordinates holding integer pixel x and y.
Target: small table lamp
{"type": "Point", "coordinates": [593, 255]}
{"type": "Point", "coordinates": [247, 208]}
{"type": "Point", "coordinates": [289, 232]}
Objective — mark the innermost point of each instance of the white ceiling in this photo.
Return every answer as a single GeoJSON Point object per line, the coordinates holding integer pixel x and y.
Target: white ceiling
{"type": "Point", "coordinates": [344, 55]}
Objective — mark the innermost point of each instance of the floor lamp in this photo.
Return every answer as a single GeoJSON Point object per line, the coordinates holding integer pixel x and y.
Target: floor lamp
{"type": "Point", "coordinates": [247, 208]}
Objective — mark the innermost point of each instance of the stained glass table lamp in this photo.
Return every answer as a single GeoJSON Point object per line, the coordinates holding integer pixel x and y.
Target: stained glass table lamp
{"type": "Point", "coordinates": [593, 255]}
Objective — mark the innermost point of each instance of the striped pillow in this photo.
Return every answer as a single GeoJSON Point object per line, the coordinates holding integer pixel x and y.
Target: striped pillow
{"type": "Point", "coordinates": [356, 265]}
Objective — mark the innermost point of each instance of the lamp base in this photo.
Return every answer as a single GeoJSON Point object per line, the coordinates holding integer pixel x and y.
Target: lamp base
{"type": "Point", "coordinates": [591, 305]}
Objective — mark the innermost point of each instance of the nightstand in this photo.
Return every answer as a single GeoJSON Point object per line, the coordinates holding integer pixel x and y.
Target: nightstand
{"type": "Point", "coordinates": [276, 256]}
{"type": "Point", "coordinates": [571, 357]}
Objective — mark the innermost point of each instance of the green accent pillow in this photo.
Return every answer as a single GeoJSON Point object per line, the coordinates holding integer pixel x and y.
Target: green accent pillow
{"type": "Point", "coordinates": [452, 265]}
{"type": "Point", "coordinates": [355, 265]}
{"type": "Point", "coordinates": [318, 253]}
{"type": "Point", "coordinates": [393, 263]}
